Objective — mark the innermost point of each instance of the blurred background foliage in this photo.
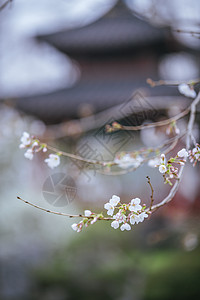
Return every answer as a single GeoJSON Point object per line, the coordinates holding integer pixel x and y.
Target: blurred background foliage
{"type": "Point", "coordinates": [144, 264]}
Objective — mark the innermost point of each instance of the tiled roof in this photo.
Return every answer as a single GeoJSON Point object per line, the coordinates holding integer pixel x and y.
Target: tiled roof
{"type": "Point", "coordinates": [119, 30]}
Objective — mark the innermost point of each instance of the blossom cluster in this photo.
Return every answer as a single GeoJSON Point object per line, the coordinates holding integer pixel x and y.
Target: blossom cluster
{"type": "Point", "coordinates": [194, 155]}
{"type": "Point", "coordinates": [33, 145]}
{"type": "Point", "coordinates": [166, 167]}
{"type": "Point", "coordinates": [132, 212]}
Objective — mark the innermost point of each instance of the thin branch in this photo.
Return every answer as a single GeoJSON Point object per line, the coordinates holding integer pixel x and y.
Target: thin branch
{"type": "Point", "coordinates": [59, 213]}
{"type": "Point", "coordinates": [132, 169]}
{"type": "Point", "coordinates": [77, 127]}
{"type": "Point", "coordinates": [186, 31]}
{"type": "Point", "coordinates": [152, 191]}
{"type": "Point", "coordinates": [155, 124]}
{"type": "Point", "coordinates": [175, 187]}
{"type": "Point", "coordinates": [80, 158]}
{"type": "Point", "coordinates": [153, 83]}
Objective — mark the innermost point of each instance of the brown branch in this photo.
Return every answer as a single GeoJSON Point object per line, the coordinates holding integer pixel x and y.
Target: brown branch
{"type": "Point", "coordinates": [155, 124]}
{"type": "Point", "coordinates": [59, 213]}
{"type": "Point", "coordinates": [153, 83]}
{"type": "Point", "coordinates": [175, 187]}
{"type": "Point", "coordinates": [152, 191]}
{"type": "Point", "coordinates": [186, 31]}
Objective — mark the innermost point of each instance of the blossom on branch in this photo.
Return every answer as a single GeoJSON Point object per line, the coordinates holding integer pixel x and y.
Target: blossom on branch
{"type": "Point", "coordinates": [182, 153]}
{"type": "Point", "coordinates": [125, 226]}
{"type": "Point", "coordinates": [53, 161]}
{"type": "Point", "coordinates": [194, 155]}
{"type": "Point", "coordinates": [110, 206]}
{"type": "Point", "coordinates": [87, 213]}
{"type": "Point", "coordinates": [135, 205]}
{"type": "Point", "coordinates": [25, 140]}
{"type": "Point", "coordinates": [29, 154]}
{"type": "Point", "coordinates": [186, 90]}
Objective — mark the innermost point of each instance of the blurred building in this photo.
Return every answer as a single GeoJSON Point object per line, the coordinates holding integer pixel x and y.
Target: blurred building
{"type": "Point", "coordinates": [115, 55]}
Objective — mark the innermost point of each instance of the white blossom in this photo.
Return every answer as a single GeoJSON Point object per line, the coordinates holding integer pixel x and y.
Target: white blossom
{"type": "Point", "coordinates": [75, 226]}
{"type": "Point", "coordinates": [29, 154]}
{"type": "Point", "coordinates": [125, 226]}
{"type": "Point", "coordinates": [162, 169]}
{"type": "Point", "coordinates": [154, 162]}
{"type": "Point", "coordinates": [110, 206]}
{"type": "Point", "coordinates": [135, 205]}
{"type": "Point", "coordinates": [127, 161]}
{"type": "Point", "coordinates": [186, 90]}
{"type": "Point", "coordinates": [87, 213]}
{"type": "Point", "coordinates": [25, 140]}
{"type": "Point", "coordinates": [35, 144]}
{"type": "Point", "coordinates": [115, 224]}
{"type": "Point", "coordinates": [142, 216]}
{"type": "Point", "coordinates": [183, 153]}
{"type": "Point", "coordinates": [114, 200]}
{"type": "Point", "coordinates": [120, 217]}
{"type": "Point", "coordinates": [52, 161]}
{"type": "Point", "coordinates": [134, 219]}
{"type": "Point", "coordinates": [44, 149]}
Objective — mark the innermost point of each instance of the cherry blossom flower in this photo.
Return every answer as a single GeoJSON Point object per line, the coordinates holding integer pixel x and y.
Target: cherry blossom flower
{"type": "Point", "coordinates": [125, 226]}
{"type": "Point", "coordinates": [25, 140]}
{"type": "Point", "coordinates": [110, 206]}
{"type": "Point", "coordinates": [186, 90]}
{"type": "Point", "coordinates": [162, 169]}
{"type": "Point", "coordinates": [134, 219]}
{"type": "Point", "coordinates": [115, 224]}
{"type": "Point", "coordinates": [74, 226]}
{"type": "Point", "coordinates": [194, 155]}
{"type": "Point", "coordinates": [154, 162]}
{"type": "Point", "coordinates": [120, 216]}
{"type": "Point", "coordinates": [87, 213]}
{"type": "Point", "coordinates": [114, 200]}
{"type": "Point", "coordinates": [29, 154]}
{"type": "Point", "coordinates": [135, 205]}
{"type": "Point", "coordinates": [127, 161]}
{"type": "Point", "coordinates": [142, 216]}
{"type": "Point", "coordinates": [183, 153]}
{"type": "Point", "coordinates": [52, 161]}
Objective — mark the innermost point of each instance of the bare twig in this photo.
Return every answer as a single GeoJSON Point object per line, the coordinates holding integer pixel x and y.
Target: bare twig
{"type": "Point", "coordinates": [152, 191]}
{"type": "Point", "coordinates": [80, 158]}
{"type": "Point", "coordinates": [186, 31]}
{"type": "Point", "coordinates": [59, 213]}
{"type": "Point", "coordinates": [155, 124]}
{"type": "Point", "coordinates": [153, 83]}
